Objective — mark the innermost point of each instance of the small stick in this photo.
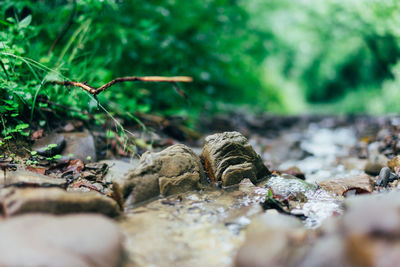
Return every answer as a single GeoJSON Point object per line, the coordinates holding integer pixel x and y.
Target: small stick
{"type": "Point", "coordinates": [95, 91]}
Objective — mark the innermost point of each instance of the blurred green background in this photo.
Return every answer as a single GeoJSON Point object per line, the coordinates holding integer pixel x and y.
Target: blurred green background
{"type": "Point", "coordinates": [281, 56]}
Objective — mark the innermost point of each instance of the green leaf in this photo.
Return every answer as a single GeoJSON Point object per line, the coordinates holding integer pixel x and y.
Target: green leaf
{"type": "Point", "coordinates": [110, 134]}
{"type": "Point", "coordinates": [270, 194]}
{"type": "Point", "coordinates": [8, 137]}
{"type": "Point", "coordinates": [21, 126]}
{"type": "Point", "coordinates": [52, 145]}
{"type": "Point", "coordinates": [57, 156]}
{"type": "Point", "coordinates": [25, 22]}
{"type": "Point", "coordinates": [33, 153]}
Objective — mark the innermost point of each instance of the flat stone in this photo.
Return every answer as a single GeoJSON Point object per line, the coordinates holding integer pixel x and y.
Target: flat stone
{"type": "Point", "coordinates": [23, 178]}
{"type": "Point", "coordinates": [79, 145]}
{"type": "Point", "coordinates": [174, 170]}
{"type": "Point", "coordinates": [271, 240]}
{"type": "Point", "coordinates": [117, 169]}
{"type": "Point", "coordinates": [360, 183]}
{"type": "Point", "coordinates": [41, 145]}
{"type": "Point", "coordinates": [73, 240]}
{"type": "Point", "coordinates": [55, 201]}
{"type": "Point", "coordinates": [229, 158]}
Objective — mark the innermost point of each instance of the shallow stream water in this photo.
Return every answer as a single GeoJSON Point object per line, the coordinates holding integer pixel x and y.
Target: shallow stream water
{"type": "Point", "coordinates": [206, 228]}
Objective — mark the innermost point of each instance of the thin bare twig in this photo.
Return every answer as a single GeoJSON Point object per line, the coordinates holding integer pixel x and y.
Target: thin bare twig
{"type": "Point", "coordinates": [95, 91]}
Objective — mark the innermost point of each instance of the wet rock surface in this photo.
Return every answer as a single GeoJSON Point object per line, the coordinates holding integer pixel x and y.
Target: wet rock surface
{"type": "Point", "coordinates": [24, 178]}
{"type": "Point", "coordinates": [44, 240]}
{"type": "Point", "coordinates": [55, 201]}
{"type": "Point", "coordinates": [358, 184]}
{"type": "Point", "coordinates": [272, 239]}
{"type": "Point", "coordinates": [50, 145]}
{"type": "Point", "coordinates": [177, 169]}
{"type": "Point", "coordinates": [229, 158]}
{"type": "Point", "coordinates": [296, 191]}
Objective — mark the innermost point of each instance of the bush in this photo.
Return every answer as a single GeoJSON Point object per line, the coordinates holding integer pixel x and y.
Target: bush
{"type": "Point", "coordinates": [96, 41]}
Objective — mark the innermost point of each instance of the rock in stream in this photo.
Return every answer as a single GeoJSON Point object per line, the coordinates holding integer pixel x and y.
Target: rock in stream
{"type": "Point", "coordinates": [15, 201]}
{"type": "Point", "coordinates": [229, 158]}
{"type": "Point", "coordinates": [174, 170]}
{"type": "Point", "coordinates": [73, 240]}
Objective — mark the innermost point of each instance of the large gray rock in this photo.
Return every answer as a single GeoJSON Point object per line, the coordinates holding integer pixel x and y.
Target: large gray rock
{"type": "Point", "coordinates": [229, 158]}
{"type": "Point", "coordinates": [41, 146]}
{"type": "Point", "coordinates": [55, 201]}
{"type": "Point", "coordinates": [73, 145]}
{"type": "Point", "coordinates": [79, 145]}
{"type": "Point", "coordinates": [174, 170]}
{"type": "Point", "coordinates": [44, 240]}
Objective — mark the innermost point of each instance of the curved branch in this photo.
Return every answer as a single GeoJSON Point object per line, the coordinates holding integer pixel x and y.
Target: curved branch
{"type": "Point", "coordinates": [95, 91]}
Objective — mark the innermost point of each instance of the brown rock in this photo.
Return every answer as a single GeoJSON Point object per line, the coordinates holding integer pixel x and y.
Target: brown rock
{"type": "Point", "coordinates": [375, 213]}
{"type": "Point", "coordinates": [22, 178]}
{"type": "Point", "coordinates": [394, 164]}
{"type": "Point", "coordinates": [229, 158]}
{"type": "Point", "coordinates": [368, 234]}
{"type": "Point", "coordinates": [327, 251]}
{"type": "Point", "coordinates": [360, 183]}
{"type": "Point", "coordinates": [55, 201]}
{"type": "Point", "coordinates": [371, 228]}
{"type": "Point", "coordinates": [44, 240]}
{"type": "Point", "coordinates": [174, 170]}
{"type": "Point", "coordinates": [375, 164]}
{"type": "Point", "coordinates": [272, 240]}
{"type": "Point", "coordinates": [79, 145]}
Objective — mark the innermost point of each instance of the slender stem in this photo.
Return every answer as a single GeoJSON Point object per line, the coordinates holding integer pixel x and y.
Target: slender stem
{"type": "Point", "coordinates": [4, 69]}
{"type": "Point", "coordinates": [95, 91]}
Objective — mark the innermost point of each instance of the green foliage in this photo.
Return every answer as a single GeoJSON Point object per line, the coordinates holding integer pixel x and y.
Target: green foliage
{"type": "Point", "coordinates": [96, 41]}
{"type": "Point", "coordinates": [343, 53]}
{"type": "Point", "coordinates": [283, 56]}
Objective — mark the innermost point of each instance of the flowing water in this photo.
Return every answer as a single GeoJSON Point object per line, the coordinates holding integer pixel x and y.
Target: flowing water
{"type": "Point", "coordinates": [206, 228]}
